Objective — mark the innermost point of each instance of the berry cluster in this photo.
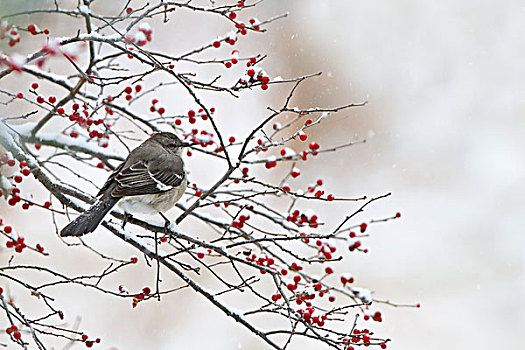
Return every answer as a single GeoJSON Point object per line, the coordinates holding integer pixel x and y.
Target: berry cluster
{"type": "Point", "coordinates": [14, 333]}
{"type": "Point", "coordinates": [139, 297]}
{"type": "Point", "coordinates": [362, 337]}
{"type": "Point", "coordinates": [142, 36]}
{"type": "Point", "coordinates": [255, 76]}
{"type": "Point", "coordinates": [89, 343]}
{"type": "Point", "coordinates": [306, 218]}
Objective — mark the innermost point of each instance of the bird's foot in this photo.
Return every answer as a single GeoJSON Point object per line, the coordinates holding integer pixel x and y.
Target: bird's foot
{"type": "Point", "coordinates": [167, 224]}
{"type": "Point", "coordinates": [126, 218]}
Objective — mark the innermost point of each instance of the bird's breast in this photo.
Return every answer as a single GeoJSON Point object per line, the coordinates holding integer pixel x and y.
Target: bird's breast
{"type": "Point", "coordinates": [151, 204]}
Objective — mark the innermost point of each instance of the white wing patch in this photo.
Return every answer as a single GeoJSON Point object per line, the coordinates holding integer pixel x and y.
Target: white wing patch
{"type": "Point", "coordinates": [161, 186]}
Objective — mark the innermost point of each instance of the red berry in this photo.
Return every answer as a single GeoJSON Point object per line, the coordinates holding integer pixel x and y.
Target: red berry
{"type": "Point", "coordinates": [250, 72]}
{"type": "Point", "coordinates": [154, 101]}
{"type": "Point", "coordinates": [129, 10]}
{"type": "Point", "coordinates": [216, 44]}
{"type": "Point", "coordinates": [34, 86]}
{"type": "Point", "coordinates": [128, 90]}
{"type": "Point", "coordinates": [264, 87]}
{"type": "Point", "coordinates": [303, 137]}
{"type": "Point", "coordinates": [11, 162]}
{"type": "Point", "coordinates": [328, 270]}
{"type": "Point", "coordinates": [330, 197]}
{"type": "Point", "coordinates": [398, 215]}
{"type": "Point", "coordinates": [52, 99]}
{"type": "Point", "coordinates": [352, 234]}
{"type": "Point", "coordinates": [297, 278]}
{"type": "Point", "coordinates": [231, 139]}
{"type": "Point", "coordinates": [363, 227]}
{"type": "Point", "coordinates": [191, 113]}
{"type": "Point", "coordinates": [17, 335]}
{"type": "Point", "coordinates": [383, 346]}
{"type": "Point", "coordinates": [161, 110]}
{"type": "Point", "coordinates": [200, 255]}
{"type": "Point", "coordinates": [26, 171]}
{"type": "Point", "coordinates": [228, 64]}
{"type": "Point", "coordinates": [8, 229]}
{"type": "Point", "coordinates": [18, 179]}
{"type": "Point", "coordinates": [60, 110]}
{"type": "Point", "coordinates": [46, 31]}
{"type": "Point", "coordinates": [31, 28]}
{"type": "Point", "coordinates": [232, 15]}
{"type": "Point", "coordinates": [84, 337]}
{"type": "Point", "coordinates": [20, 95]}
{"type": "Point", "coordinates": [138, 88]}
{"type": "Point", "coordinates": [100, 165]}
{"type": "Point", "coordinates": [40, 99]}
{"type": "Point", "coordinates": [89, 343]}
{"type": "Point", "coordinates": [134, 260]}
{"type": "Point", "coordinates": [146, 290]}
{"type": "Point", "coordinates": [265, 80]}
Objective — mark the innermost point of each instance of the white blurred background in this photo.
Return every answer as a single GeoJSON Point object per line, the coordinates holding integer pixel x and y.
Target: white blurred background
{"type": "Point", "coordinates": [446, 135]}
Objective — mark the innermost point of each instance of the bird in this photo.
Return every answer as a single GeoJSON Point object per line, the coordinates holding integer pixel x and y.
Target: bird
{"type": "Point", "coordinates": [149, 181]}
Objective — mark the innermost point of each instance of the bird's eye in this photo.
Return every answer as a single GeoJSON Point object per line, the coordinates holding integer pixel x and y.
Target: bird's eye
{"type": "Point", "coordinates": [172, 146]}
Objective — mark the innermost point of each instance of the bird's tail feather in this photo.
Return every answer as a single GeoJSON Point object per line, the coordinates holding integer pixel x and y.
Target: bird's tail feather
{"type": "Point", "coordinates": [89, 220]}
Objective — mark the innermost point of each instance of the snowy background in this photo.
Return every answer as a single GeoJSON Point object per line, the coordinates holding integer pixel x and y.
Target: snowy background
{"type": "Point", "coordinates": [446, 134]}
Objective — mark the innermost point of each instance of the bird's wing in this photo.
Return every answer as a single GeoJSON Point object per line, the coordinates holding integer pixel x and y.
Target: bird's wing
{"type": "Point", "coordinates": [149, 177]}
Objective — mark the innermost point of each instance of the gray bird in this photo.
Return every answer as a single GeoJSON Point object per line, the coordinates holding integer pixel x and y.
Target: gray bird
{"type": "Point", "coordinates": [151, 180]}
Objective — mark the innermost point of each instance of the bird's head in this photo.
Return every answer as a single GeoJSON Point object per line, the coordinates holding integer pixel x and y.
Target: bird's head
{"type": "Point", "coordinates": [170, 142]}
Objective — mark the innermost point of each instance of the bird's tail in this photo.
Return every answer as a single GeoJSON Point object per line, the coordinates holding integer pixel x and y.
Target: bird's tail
{"type": "Point", "coordinates": [89, 220]}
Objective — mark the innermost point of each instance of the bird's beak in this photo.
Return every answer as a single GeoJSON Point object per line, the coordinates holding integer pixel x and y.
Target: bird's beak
{"type": "Point", "coordinates": [188, 144]}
